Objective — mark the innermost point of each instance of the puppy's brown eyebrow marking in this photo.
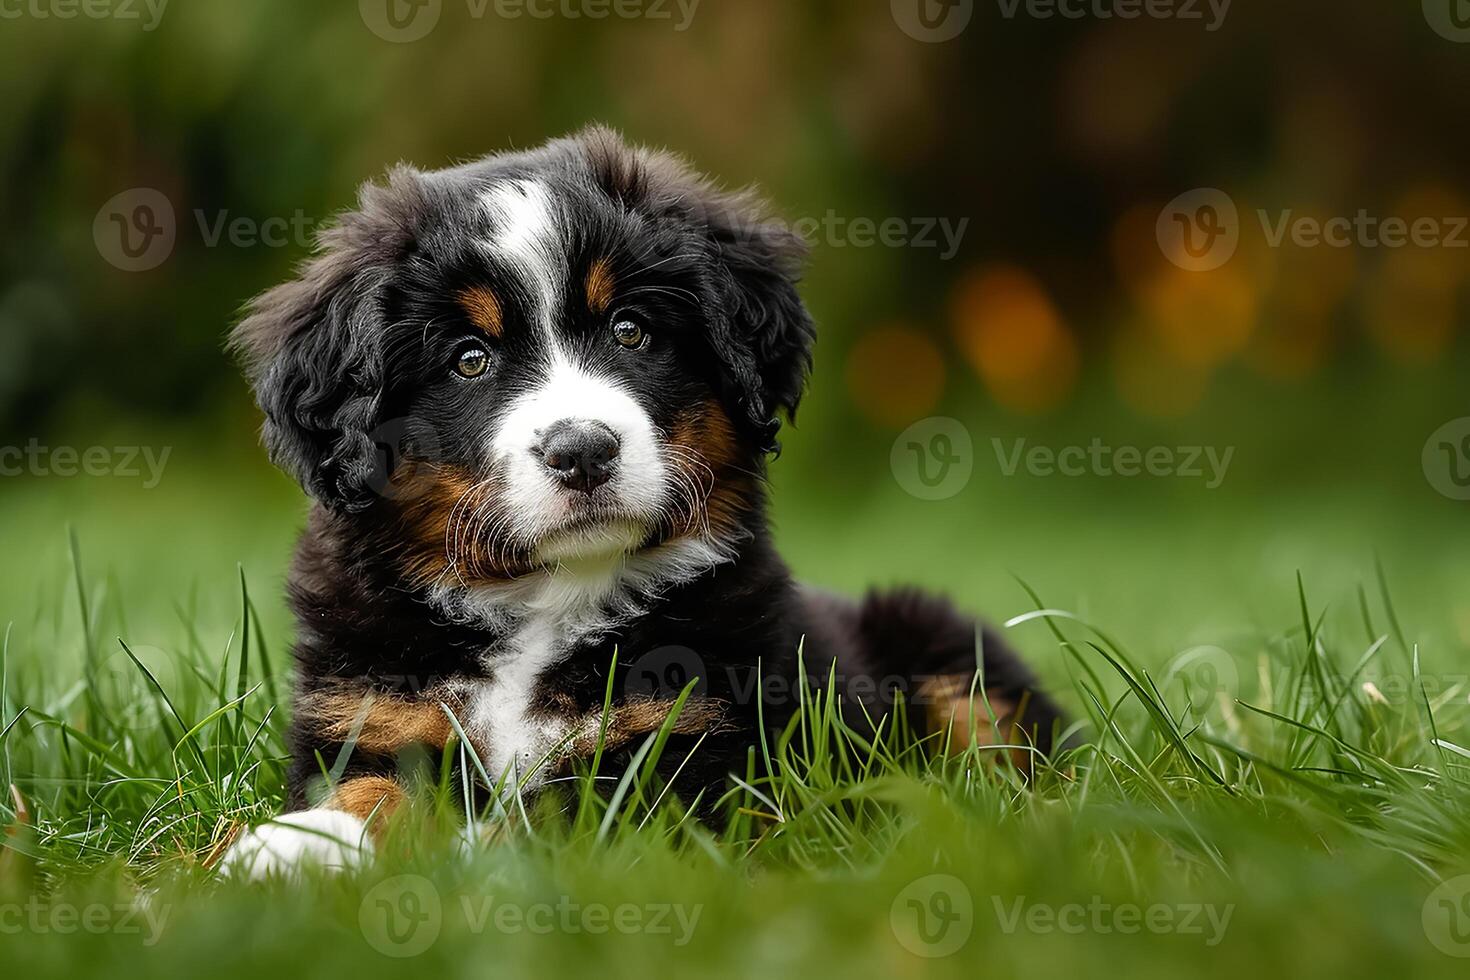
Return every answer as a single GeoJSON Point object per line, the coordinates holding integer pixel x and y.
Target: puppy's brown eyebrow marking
{"type": "Point", "coordinates": [600, 285]}
{"type": "Point", "coordinates": [483, 308]}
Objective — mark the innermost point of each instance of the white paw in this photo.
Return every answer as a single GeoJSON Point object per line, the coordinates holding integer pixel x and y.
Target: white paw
{"type": "Point", "coordinates": [328, 839]}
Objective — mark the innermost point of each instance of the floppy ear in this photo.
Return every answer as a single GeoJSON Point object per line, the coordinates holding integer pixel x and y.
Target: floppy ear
{"type": "Point", "coordinates": [761, 332]}
{"type": "Point", "coordinates": [313, 348]}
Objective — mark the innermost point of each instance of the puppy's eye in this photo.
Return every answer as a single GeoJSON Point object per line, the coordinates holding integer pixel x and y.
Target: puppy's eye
{"type": "Point", "coordinates": [629, 333]}
{"type": "Point", "coordinates": [471, 362]}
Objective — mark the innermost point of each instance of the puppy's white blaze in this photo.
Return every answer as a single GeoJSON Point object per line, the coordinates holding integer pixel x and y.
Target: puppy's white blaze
{"type": "Point", "coordinates": [639, 481]}
{"type": "Point", "coordinates": [328, 839]}
{"type": "Point", "coordinates": [526, 233]}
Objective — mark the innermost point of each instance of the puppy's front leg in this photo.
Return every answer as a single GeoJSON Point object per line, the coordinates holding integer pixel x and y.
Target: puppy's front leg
{"type": "Point", "coordinates": [338, 832]}
{"type": "Point", "coordinates": [333, 836]}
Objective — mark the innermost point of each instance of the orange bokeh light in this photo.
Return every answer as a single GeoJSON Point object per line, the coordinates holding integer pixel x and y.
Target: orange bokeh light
{"type": "Point", "coordinates": [1013, 336]}
{"type": "Point", "coordinates": [895, 374]}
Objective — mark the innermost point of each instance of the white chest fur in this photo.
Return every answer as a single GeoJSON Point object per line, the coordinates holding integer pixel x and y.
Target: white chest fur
{"type": "Point", "coordinates": [544, 618]}
{"type": "Point", "coordinates": [515, 741]}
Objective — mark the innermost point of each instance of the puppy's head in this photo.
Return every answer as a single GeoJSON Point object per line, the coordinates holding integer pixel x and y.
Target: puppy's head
{"type": "Point", "coordinates": [571, 353]}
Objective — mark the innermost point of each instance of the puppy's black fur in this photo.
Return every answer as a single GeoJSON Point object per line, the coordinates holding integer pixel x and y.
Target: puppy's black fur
{"type": "Point", "coordinates": [352, 364]}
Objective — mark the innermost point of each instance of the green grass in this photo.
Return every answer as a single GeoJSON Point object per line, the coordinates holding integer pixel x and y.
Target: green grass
{"type": "Point", "coordinates": [1237, 764]}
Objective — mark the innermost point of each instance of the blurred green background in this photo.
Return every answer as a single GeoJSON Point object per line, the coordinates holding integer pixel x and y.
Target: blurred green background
{"type": "Point", "coordinates": [1048, 147]}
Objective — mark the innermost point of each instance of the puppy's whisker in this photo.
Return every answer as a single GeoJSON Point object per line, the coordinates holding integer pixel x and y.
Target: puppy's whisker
{"type": "Point", "coordinates": [668, 290]}
{"type": "Point", "coordinates": [459, 539]}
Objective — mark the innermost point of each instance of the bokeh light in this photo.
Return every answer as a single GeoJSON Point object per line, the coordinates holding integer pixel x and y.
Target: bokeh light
{"type": "Point", "coordinates": [1014, 338]}
{"type": "Point", "coordinates": [895, 375]}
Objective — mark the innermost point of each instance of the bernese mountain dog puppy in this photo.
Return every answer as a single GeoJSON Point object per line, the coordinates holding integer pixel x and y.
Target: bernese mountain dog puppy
{"type": "Point", "coordinates": [533, 399]}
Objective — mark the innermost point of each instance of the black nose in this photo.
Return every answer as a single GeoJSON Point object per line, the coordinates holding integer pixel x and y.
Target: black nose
{"type": "Point", "coordinates": [580, 453]}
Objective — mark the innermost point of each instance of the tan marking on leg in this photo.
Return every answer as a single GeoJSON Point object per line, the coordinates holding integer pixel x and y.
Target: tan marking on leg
{"type": "Point", "coordinates": [600, 286]}
{"type": "Point", "coordinates": [483, 308]}
{"type": "Point", "coordinates": [366, 796]}
{"type": "Point", "coordinates": [629, 721]}
{"type": "Point", "coordinates": [985, 719]}
{"type": "Point", "coordinates": [383, 724]}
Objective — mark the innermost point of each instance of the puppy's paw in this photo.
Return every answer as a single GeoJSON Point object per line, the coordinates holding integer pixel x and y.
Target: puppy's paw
{"type": "Point", "coordinates": [292, 842]}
